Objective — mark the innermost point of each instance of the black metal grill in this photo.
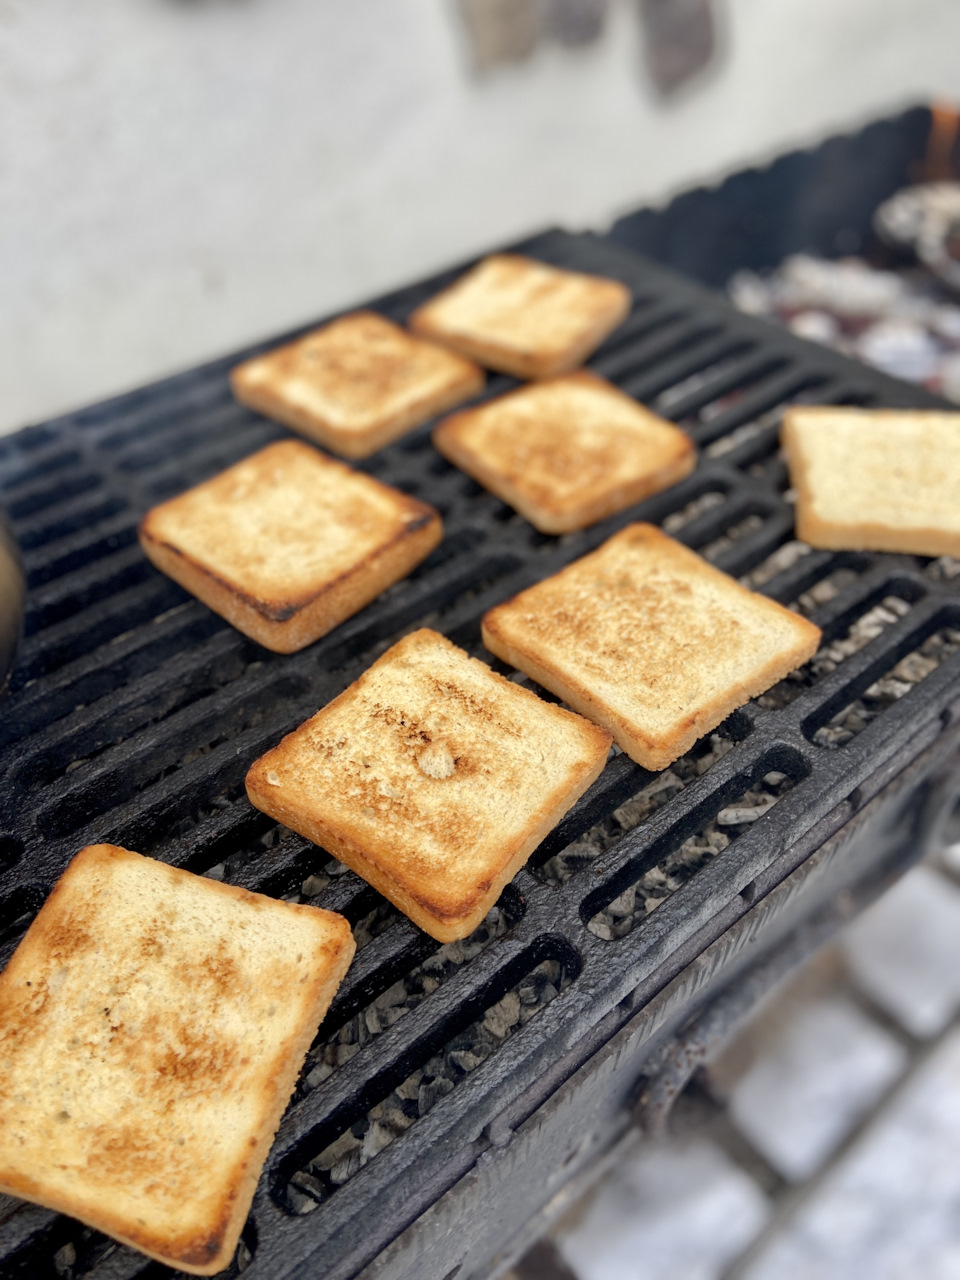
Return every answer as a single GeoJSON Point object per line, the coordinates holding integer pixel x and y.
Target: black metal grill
{"type": "Point", "coordinates": [134, 713]}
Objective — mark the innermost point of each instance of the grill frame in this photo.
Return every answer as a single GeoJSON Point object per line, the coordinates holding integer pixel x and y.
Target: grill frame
{"type": "Point", "coordinates": [195, 677]}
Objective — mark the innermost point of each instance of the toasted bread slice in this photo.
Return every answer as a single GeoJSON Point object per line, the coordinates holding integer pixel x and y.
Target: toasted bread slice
{"type": "Point", "coordinates": [567, 452]}
{"type": "Point", "coordinates": [289, 542]}
{"type": "Point", "coordinates": [648, 639]}
{"type": "Point", "coordinates": [523, 317]}
{"type": "Point", "coordinates": [876, 479]}
{"type": "Point", "coordinates": [356, 384]}
{"type": "Point", "coordinates": [432, 778]}
{"type": "Point", "coordinates": [153, 1024]}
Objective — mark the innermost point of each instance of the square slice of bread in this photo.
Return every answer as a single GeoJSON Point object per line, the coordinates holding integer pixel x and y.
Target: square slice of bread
{"type": "Point", "coordinates": [433, 778]}
{"type": "Point", "coordinates": [289, 542]}
{"type": "Point", "coordinates": [876, 479]}
{"type": "Point", "coordinates": [649, 640]}
{"type": "Point", "coordinates": [524, 317]}
{"type": "Point", "coordinates": [153, 1025]}
{"type": "Point", "coordinates": [568, 451]}
{"type": "Point", "coordinates": [356, 384]}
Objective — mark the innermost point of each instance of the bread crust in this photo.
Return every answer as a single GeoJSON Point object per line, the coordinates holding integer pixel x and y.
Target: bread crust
{"type": "Point", "coordinates": [904, 455]}
{"type": "Point", "coordinates": [627, 637]}
{"type": "Point", "coordinates": [281, 614]}
{"type": "Point", "coordinates": [568, 451]}
{"type": "Point", "coordinates": [371, 383]}
{"type": "Point", "coordinates": [125, 1139]}
{"type": "Point", "coordinates": [401, 777]}
{"type": "Point", "coordinates": [523, 317]}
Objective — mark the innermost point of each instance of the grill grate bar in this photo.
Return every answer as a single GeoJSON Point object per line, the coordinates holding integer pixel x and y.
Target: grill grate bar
{"type": "Point", "coordinates": [175, 705]}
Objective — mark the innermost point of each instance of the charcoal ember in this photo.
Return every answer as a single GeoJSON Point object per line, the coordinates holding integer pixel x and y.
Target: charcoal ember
{"type": "Point", "coordinates": [623, 906]}
{"type": "Point", "coordinates": [431, 1091]}
{"type": "Point", "coordinates": [824, 591]}
{"type": "Point", "coordinates": [848, 287]}
{"type": "Point", "coordinates": [549, 991]}
{"type": "Point", "coordinates": [464, 1060]}
{"type": "Point", "coordinates": [306, 1191]}
{"type": "Point", "coordinates": [715, 549]}
{"type": "Point", "coordinates": [740, 435]}
{"type": "Point", "coordinates": [409, 1089]}
{"type": "Point", "coordinates": [64, 1261]}
{"type": "Point", "coordinates": [785, 557]}
{"type": "Point", "coordinates": [832, 735]}
{"type": "Point", "coordinates": [739, 815]}
{"type": "Point", "coordinates": [345, 1052]}
{"type": "Point", "coordinates": [499, 1018]}
{"type": "Point", "coordinates": [321, 1072]}
{"type": "Point", "coordinates": [344, 1169]}
{"type": "Point", "coordinates": [867, 627]}
{"type": "Point", "coordinates": [377, 1137]}
{"type": "Point", "coordinates": [674, 522]}
{"type": "Point", "coordinates": [313, 885]}
{"type": "Point", "coordinates": [900, 347]}
{"type": "Point", "coordinates": [943, 569]}
{"type": "Point", "coordinates": [337, 1152]}
{"type": "Point", "coordinates": [815, 326]}
{"type": "Point", "coordinates": [663, 788]}
{"type": "Point", "coordinates": [533, 989]}
{"type": "Point", "coordinates": [892, 686]}
{"type": "Point", "coordinates": [750, 293]}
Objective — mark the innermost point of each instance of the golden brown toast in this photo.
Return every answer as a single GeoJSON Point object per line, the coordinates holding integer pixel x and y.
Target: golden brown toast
{"type": "Point", "coordinates": [568, 451]}
{"type": "Point", "coordinates": [646, 638]}
{"type": "Point", "coordinates": [876, 479]}
{"type": "Point", "coordinates": [524, 317]}
{"type": "Point", "coordinates": [356, 384]}
{"type": "Point", "coordinates": [289, 542]}
{"type": "Point", "coordinates": [153, 1024]}
{"type": "Point", "coordinates": [433, 778]}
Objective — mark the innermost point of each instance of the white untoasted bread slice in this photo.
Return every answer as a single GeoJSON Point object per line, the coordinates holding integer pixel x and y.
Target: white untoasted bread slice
{"type": "Point", "coordinates": [524, 317]}
{"type": "Point", "coordinates": [876, 479]}
{"type": "Point", "coordinates": [289, 542]}
{"type": "Point", "coordinates": [568, 451]}
{"type": "Point", "coordinates": [356, 384]}
{"type": "Point", "coordinates": [433, 778]}
{"type": "Point", "coordinates": [153, 1024]}
{"type": "Point", "coordinates": [648, 639]}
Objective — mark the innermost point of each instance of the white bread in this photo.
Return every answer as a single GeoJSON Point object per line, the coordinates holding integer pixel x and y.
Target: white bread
{"type": "Point", "coordinates": [433, 778]}
{"type": "Point", "coordinates": [356, 384]}
{"type": "Point", "coordinates": [568, 451]}
{"type": "Point", "coordinates": [646, 638]}
{"type": "Point", "coordinates": [153, 1024]}
{"type": "Point", "coordinates": [876, 479]}
{"type": "Point", "coordinates": [524, 317]}
{"type": "Point", "coordinates": [289, 542]}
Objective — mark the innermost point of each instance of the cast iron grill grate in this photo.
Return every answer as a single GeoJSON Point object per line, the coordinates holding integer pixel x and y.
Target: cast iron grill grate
{"type": "Point", "coordinates": [134, 713]}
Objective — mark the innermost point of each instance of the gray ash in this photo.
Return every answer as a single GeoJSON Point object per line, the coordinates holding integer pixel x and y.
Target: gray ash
{"type": "Point", "coordinates": [636, 902]}
{"type": "Point", "coordinates": [676, 520]}
{"type": "Point", "coordinates": [890, 688]}
{"type": "Point", "coordinates": [785, 557]}
{"type": "Point", "coordinates": [824, 591]}
{"type": "Point", "coordinates": [748, 431]}
{"type": "Point", "coordinates": [865, 629]}
{"type": "Point", "coordinates": [713, 550]}
{"type": "Point", "coordinates": [584, 852]}
{"type": "Point", "coordinates": [943, 569]}
{"type": "Point", "coordinates": [400, 998]}
{"type": "Point", "coordinates": [424, 1087]}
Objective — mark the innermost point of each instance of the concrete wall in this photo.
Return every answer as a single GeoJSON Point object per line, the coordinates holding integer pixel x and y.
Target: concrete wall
{"type": "Point", "coordinates": [178, 177]}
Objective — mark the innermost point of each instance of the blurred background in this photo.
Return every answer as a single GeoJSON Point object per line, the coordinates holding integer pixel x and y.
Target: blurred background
{"type": "Point", "coordinates": [181, 177]}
